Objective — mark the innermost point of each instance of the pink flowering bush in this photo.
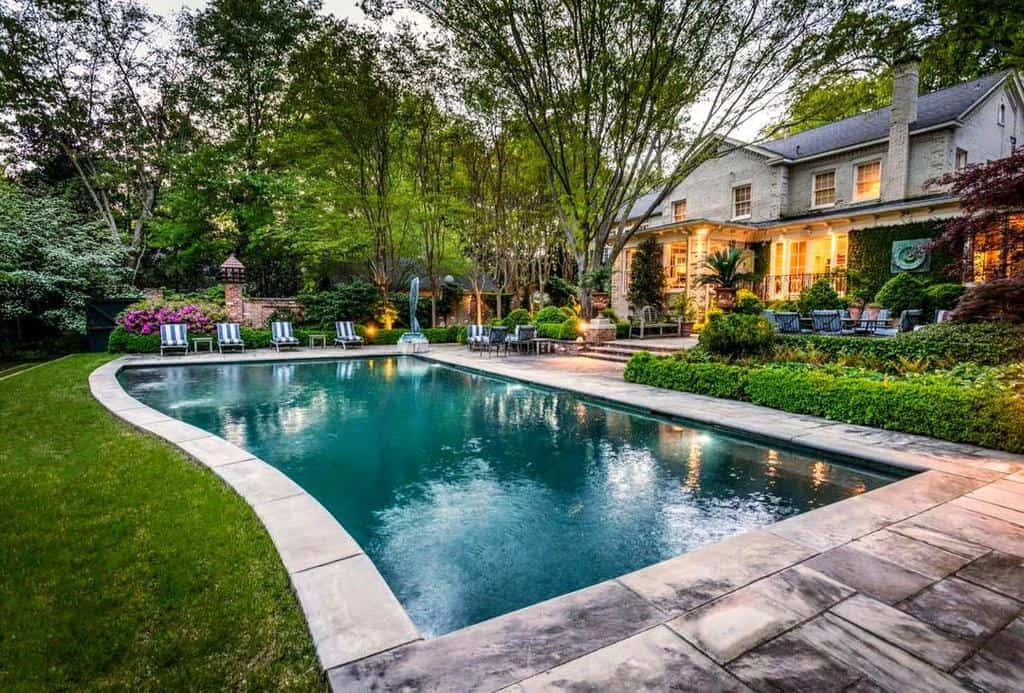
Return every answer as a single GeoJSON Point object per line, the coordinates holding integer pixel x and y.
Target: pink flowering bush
{"type": "Point", "coordinates": [146, 317]}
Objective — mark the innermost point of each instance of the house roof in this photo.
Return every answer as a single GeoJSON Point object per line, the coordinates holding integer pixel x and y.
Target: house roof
{"type": "Point", "coordinates": [933, 109]}
{"type": "Point", "coordinates": [642, 203]}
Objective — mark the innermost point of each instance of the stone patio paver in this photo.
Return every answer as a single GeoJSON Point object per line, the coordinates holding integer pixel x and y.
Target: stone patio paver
{"type": "Point", "coordinates": [684, 583]}
{"type": "Point", "coordinates": [257, 481]}
{"type": "Point", "coordinates": [973, 527]}
{"type": "Point", "coordinates": [742, 620]}
{"type": "Point", "coordinates": [996, 495]}
{"type": "Point", "coordinates": [911, 554]}
{"type": "Point", "coordinates": [509, 648]}
{"type": "Point", "coordinates": [968, 611]}
{"type": "Point", "coordinates": [869, 574]}
{"type": "Point", "coordinates": [984, 508]}
{"type": "Point", "coordinates": [998, 666]}
{"type": "Point", "coordinates": [655, 660]}
{"type": "Point", "coordinates": [997, 571]}
{"type": "Point", "coordinates": [903, 630]}
{"type": "Point", "coordinates": [789, 663]}
{"type": "Point", "coordinates": [306, 535]}
{"type": "Point", "coordinates": [933, 537]}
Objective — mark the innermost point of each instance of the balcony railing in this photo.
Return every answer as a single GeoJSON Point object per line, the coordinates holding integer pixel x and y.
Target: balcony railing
{"type": "Point", "coordinates": [787, 285]}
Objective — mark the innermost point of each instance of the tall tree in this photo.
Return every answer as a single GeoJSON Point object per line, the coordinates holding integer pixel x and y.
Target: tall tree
{"type": "Point", "coordinates": [623, 97]}
{"type": "Point", "coordinates": [91, 90]}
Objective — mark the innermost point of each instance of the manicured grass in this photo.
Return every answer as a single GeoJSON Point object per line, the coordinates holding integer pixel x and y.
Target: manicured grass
{"type": "Point", "coordinates": [125, 565]}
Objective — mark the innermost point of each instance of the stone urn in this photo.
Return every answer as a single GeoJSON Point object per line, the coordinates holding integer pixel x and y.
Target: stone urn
{"type": "Point", "coordinates": [725, 297]}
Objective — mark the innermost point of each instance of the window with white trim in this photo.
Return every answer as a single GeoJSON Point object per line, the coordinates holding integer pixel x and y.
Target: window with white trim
{"type": "Point", "coordinates": [824, 189]}
{"type": "Point", "coordinates": [741, 201]}
{"type": "Point", "coordinates": [961, 159]}
{"type": "Point", "coordinates": [867, 181]}
{"type": "Point", "coordinates": [679, 210]}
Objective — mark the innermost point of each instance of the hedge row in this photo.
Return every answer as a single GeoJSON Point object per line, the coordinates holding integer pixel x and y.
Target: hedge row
{"type": "Point", "coordinates": [982, 343]}
{"type": "Point", "coordinates": [121, 341]}
{"type": "Point", "coordinates": [981, 415]}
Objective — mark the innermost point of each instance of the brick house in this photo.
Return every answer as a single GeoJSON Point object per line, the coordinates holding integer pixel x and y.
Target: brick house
{"type": "Point", "coordinates": [839, 196]}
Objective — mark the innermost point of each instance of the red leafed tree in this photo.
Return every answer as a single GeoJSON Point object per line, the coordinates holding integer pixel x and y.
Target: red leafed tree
{"type": "Point", "coordinates": [988, 237]}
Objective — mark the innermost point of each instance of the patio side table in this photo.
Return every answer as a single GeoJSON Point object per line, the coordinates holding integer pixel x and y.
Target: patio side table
{"type": "Point", "coordinates": [314, 338]}
{"type": "Point", "coordinates": [208, 341]}
{"type": "Point", "coordinates": [542, 344]}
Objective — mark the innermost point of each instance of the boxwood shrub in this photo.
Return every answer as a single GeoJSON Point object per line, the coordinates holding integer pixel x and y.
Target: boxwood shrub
{"type": "Point", "coordinates": [982, 343]}
{"type": "Point", "coordinates": [937, 406]}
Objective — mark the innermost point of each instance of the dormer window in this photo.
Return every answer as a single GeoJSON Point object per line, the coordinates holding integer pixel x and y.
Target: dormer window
{"type": "Point", "coordinates": [679, 210]}
{"type": "Point", "coordinates": [867, 181]}
{"type": "Point", "coordinates": [1001, 115]}
{"type": "Point", "coordinates": [824, 189]}
{"type": "Point", "coordinates": [741, 201]}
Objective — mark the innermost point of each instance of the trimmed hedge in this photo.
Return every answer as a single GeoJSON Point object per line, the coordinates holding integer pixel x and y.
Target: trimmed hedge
{"type": "Point", "coordinates": [979, 414]}
{"type": "Point", "coordinates": [121, 341]}
{"type": "Point", "coordinates": [983, 343]}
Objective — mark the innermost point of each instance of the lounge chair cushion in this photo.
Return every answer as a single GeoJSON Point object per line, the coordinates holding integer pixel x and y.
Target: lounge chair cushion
{"type": "Point", "coordinates": [174, 335]}
{"type": "Point", "coordinates": [229, 334]}
{"type": "Point", "coordinates": [281, 333]}
{"type": "Point", "coordinates": [346, 332]}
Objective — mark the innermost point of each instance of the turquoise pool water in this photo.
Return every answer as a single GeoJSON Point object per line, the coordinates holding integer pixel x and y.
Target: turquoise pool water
{"type": "Point", "coordinates": [476, 496]}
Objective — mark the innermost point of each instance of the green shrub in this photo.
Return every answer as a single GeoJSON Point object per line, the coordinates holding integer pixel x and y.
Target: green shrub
{"type": "Point", "coordinates": [736, 335]}
{"type": "Point", "coordinates": [903, 292]}
{"type": "Point", "coordinates": [747, 303]}
{"type": "Point", "coordinates": [622, 329]}
{"type": "Point", "coordinates": [356, 301]}
{"type": "Point", "coordinates": [609, 313]}
{"type": "Point", "coordinates": [942, 296]}
{"type": "Point", "coordinates": [714, 379]}
{"type": "Point", "coordinates": [819, 296]}
{"type": "Point", "coordinates": [982, 343]}
{"type": "Point", "coordinates": [435, 335]}
{"type": "Point", "coordinates": [784, 306]}
{"type": "Point", "coordinates": [520, 316]}
{"type": "Point", "coordinates": [549, 315]}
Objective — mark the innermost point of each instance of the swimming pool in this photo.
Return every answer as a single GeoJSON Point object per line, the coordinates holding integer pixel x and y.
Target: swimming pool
{"type": "Point", "coordinates": [475, 496]}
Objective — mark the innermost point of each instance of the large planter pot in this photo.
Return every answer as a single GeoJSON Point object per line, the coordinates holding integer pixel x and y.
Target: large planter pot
{"type": "Point", "coordinates": [725, 297]}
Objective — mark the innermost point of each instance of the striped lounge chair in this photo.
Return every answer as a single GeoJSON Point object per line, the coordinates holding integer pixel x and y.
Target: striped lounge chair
{"type": "Point", "coordinates": [281, 335]}
{"type": "Point", "coordinates": [346, 334]}
{"type": "Point", "coordinates": [174, 336]}
{"type": "Point", "coordinates": [476, 336]}
{"type": "Point", "coordinates": [229, 336]}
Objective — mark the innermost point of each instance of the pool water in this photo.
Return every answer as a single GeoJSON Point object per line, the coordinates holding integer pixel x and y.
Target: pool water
{"type": "Point", "coordinates": [475, 496]}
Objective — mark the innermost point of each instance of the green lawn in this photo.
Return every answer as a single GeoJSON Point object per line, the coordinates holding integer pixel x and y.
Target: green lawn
{"type": "Point", "coordinates": [123, 564]}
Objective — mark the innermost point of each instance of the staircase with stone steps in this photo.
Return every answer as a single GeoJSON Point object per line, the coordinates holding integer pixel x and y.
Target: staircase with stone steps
{"type": "Point", "coordinates": [621, 353]}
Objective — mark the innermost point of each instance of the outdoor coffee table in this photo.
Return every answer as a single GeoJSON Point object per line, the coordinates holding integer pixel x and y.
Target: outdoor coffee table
{"type": "Point", "coordinates": [204, 340]}
{"type": "Point", "coordinates": [314, 338]}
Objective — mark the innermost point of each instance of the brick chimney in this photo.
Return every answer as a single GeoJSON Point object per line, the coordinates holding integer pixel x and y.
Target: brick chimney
{"type": "Point", "coordinates": [232, 275]}
{"type": "Point", "coordinates": [902, 113]}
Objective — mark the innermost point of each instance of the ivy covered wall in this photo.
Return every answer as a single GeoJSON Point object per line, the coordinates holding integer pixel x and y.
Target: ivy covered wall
{"type": "Point", "coordinates": [871, 251]}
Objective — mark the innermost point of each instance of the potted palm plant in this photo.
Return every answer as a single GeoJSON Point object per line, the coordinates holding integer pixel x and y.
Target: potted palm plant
{"type": "Point", "coordinates": [726, 275]}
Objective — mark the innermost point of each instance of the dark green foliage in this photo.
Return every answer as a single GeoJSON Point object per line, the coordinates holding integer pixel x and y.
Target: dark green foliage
{"type": "Point", "coordinates": [622, 329]}
{"type": "Point", "coordinates": [714, 379]}
{"type": "Point", "coordinates": [902, 292]}
{"type": "Point", "coordinates": [647, 276]}
{"type": "Point", "coordinates": [559, 291]}
{"type": "Point", "coordinates": [819, 296]}
{"type": "Point", "coordinates": [435, 335]}
{"type": "Point", "coordinates": [519, 316]}
{"type": "Point", "coordinates": [724, 269]}
{"type": "Point", "coordinates": [549, 314]}
{"type": "Point", "coordinates": [568, 329]}
{"type": "Point", "coordinates": [982, 343]}
{"type": "Point", "coordinates": [354, 301]}
{"type": "Point", "coordinates": [784, 306]}
{"type": "Point", "coordinates": [936, 406]}
{"type": "Point", "coordinates": [871, 252]}
{"type": "Point", "coordinates": [942, 296]}
{"type": "Point", "coordinates": [736, 335]}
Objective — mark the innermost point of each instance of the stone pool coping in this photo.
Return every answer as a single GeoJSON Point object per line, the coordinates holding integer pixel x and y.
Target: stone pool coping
{"type": "Point", "coordinates": [673, 622]}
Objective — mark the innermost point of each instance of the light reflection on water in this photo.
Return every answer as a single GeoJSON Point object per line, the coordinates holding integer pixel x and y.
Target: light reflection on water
{"type": "Point", "coordinates": [475, 497]}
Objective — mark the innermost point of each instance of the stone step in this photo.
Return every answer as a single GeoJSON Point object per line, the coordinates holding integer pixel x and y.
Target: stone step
{"type": "Point", "coordinates": [600, 356]}
{"type": "Point", "coordinates": [612, 347]}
